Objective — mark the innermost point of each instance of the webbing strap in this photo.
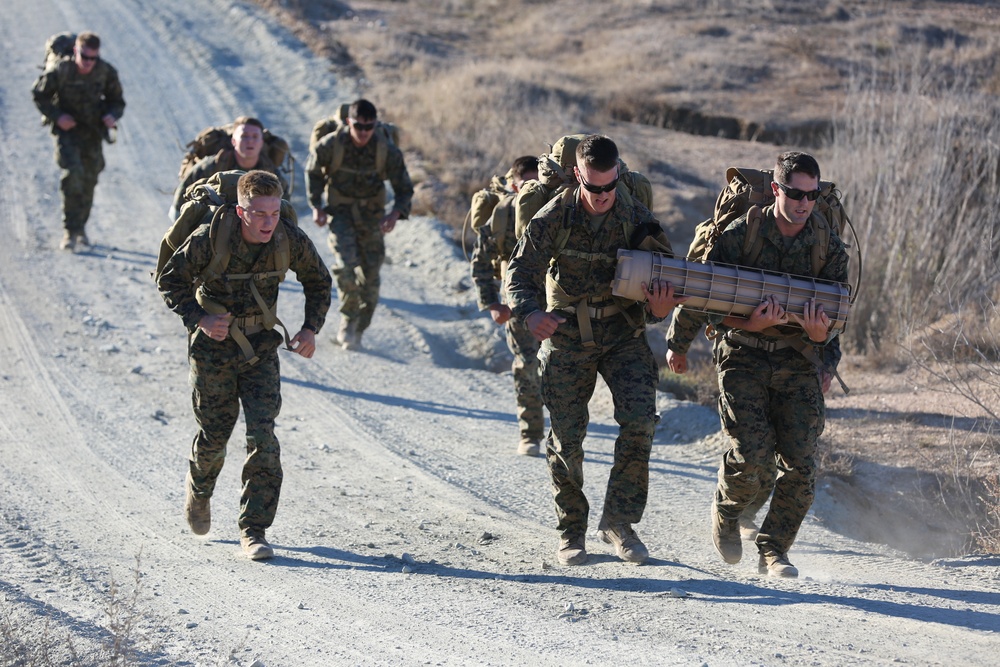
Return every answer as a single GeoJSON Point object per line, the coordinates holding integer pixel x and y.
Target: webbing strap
{"type": "Point", "coordinates": [583, 321]}
{"type": "Point", "coordinates": [809, 352]}
{"type": "Point", "coordinates": [215, 308]}
{"type": "Point", "coordinates": [339, 199]}
{"type": "Point", "coordinates": [590, 256]}
{"type": "Point", "coordinates": [269, 316]}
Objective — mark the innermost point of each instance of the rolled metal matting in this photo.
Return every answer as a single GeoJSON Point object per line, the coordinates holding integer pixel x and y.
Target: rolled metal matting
{"type": "Point", "coordinates": [727, 289]}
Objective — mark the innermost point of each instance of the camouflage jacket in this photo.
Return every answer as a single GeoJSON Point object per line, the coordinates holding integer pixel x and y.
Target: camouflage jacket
{"type": "Point", "coordinates": [87, 98]}
{"type": "Point", "coordinates": [579, 277]}
{"type": "Point", "coordinates": [357, 177]}
{"type": "Point", "coordinates": [797, 260]}
{"type": "Point", "coordinates": [224, 160]}
{"type": "Point", "coordinates": [178, 279]}
{"type": "Point", "coordinates": [487, 256]}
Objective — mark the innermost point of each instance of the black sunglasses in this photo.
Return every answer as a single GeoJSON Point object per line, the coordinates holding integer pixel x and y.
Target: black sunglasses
{"type": "Point", "coordinates": [89, 59]}
{"type": "Point", "coordinates": [797, 195]}
{"type": "Point", "coordinates": [598, 189]}
{"type": "Point", "coordinates": [363, 127]}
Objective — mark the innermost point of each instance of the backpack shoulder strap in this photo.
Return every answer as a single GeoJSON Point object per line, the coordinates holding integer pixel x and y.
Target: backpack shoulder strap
{"type": "Point", "coordinates": [752, 242]}
{"type": "Point", "coordinates": [282, 252]}
{"type": "Point", "coordinates": [821, 248]}
{"type": "Point", "coordinates": [338, 150]}
{"type": "Point", "coordinates": [381, 151]}
{"type": "Point", "coordinates": [568, 203]}
{"type": "Point", "coordinates": [221, 233]}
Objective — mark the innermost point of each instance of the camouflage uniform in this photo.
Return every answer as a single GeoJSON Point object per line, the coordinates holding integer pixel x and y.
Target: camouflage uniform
{"type": "Point", "coordinates": [584, 268]}
{"type": "Point", "coordinates": [87, 98]}
{"type": "Point", "coordinates": [220, 377]}
{"type": "Point", "coordinates": [356, 198]}
{"type": "Point", "coordinates": [771, 404]}
{"type": "Point", "coordinates": [488, 256]}
{"type": "Point", "coordinates": [224, 160]}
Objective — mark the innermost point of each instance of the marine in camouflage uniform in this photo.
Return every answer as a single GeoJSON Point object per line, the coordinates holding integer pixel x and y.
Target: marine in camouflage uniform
{"type": "Point", "coordinates": [355, 210]}
{"type": "Point", "coordinates": [569, 252]}
{"type": "Point", "coordinates": [247, 152]}
{"type": "Point", "coordinates": [489, 259]}
{"type": "Point", "coordinates": [81, 99]}
{"type": "Point", "coordinates": [221, 376]}
{"type": "Point", "coordinates": [771, 399]}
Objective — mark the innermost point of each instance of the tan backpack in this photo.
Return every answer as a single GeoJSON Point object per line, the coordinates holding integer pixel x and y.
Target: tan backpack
{"type": "Point", "coordinates": [386, 133]}
{"type": "Point", "coordinates": [747, 192]}
{"type": "Point", "coordinates": [484, 201]}
{"type": "Point", "coordinates": [212, 201]}
{"type": "Point", "coordinates": [58, 47]}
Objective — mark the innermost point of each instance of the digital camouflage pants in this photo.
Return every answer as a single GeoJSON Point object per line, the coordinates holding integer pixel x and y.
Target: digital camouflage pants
{"type": "Point", "coordinates": [527, 382]}
{"type": "Point", "coordinates": [359, 251]}
{"type": "Point", "coordinates": [220, 382]}
{"type": "Point", "coordinates": [771, 407]}
{"type": "Point", "coordinates": [569, 375]}
{"type": "Point", "coordinates": [80, 156]}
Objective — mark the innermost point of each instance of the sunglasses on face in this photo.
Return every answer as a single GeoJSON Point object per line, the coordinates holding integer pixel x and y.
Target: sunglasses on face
{"type": "Point", "coordinates": [363, 127]}
{"type": "Point", "coordinates": [797, 195]}
{"type": "Point", "coordinates": [598, 189]}
{"type": "Point", "coordinates": [89, 59]}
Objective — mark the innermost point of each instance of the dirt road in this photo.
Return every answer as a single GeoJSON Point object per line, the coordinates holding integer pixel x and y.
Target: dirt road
{"type": "Point", "coordinates": [408, 531]}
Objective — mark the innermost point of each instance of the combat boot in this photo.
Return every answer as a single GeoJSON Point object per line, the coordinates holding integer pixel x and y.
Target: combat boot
{"type": "Point", "coordinates": [726, 536]}
{"type": "Point", "coordinates": [628, 546]}
{"type": "Point", "coordinates": [255, 546]}
{"type": "Point", "coordinates": [572, 550]}
{"type": "Point", "coordinates": [197, 511]}
{"type": "Point", "coordinates": [68, 241]}
{"type": "Point", "coordinates": [81, 240]}
{"type": "Point", "coordinates": [347, 335]}
{"type": "Point", "coordinates": [775, 564]}
{"type": "Point", "coordinates": [528, 447]}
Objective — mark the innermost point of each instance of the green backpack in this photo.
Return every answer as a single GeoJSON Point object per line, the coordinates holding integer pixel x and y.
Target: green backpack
{"type": "Point", "coordinates": [212, 201]}
{"type": "Point", "coordinates": [387, 134]}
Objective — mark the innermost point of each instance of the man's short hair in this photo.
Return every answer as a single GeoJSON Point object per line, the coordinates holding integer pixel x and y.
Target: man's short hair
{"type": "Point", "coordinates": [89, 40]}
{"type": "Point", "coordinates": [257, 183]}
{"type": "Point", "coordinates": [597, 152]}
{"type": "Point", "coordinates": [792, 162]}
{"type": "Point", "coordinates": [363, 110]}
{"type": "Point", "coordinates": [524, 165]}
{"type": "Point", "coordinates": [248, 120]}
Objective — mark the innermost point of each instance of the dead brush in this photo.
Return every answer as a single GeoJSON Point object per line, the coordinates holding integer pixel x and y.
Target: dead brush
{"type": "Point", "coordinates": [986, 537]}
{"type": "Point", "coordinates": [123, 641]}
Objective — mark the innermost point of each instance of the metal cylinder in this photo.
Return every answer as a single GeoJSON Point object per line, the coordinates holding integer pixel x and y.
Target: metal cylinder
{"type": "Point", "coordinates": [728, 290]}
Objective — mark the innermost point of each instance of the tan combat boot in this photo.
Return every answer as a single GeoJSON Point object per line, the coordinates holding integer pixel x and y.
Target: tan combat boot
{"type": "Point", "coordinates": [347, 335]}
{"type": "Point", "coordinates": [773, 563]}
{"type": "Point", "coordinates": [255, 546]}
{"type": "Point", "coordinates": [572, 550]}
{"type": "Point", "coordinates": [197, 511]}
{"type": "Point", "coordinates": [81, 240]}
{"type": "Point", "coordinates": [628, 546]}
{"type": "Point", "coordinates": [68, 241]}
{"type": "Point", "coordinates": [726, 536]}
{"type": "Point", "coordinates": [528, 447]}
